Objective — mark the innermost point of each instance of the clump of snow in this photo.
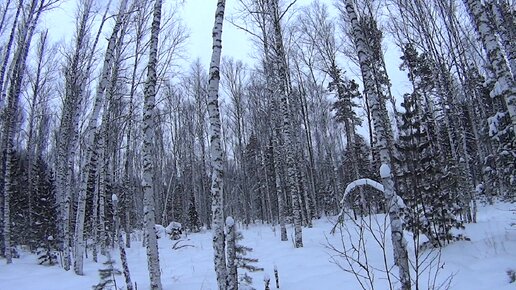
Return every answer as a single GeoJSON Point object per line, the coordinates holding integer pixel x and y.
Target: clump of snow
{"type": "Point", "coordinates": [173, 226]}
{"type": "Point", "coordinates": [230, 221]}
{"type": "Point", "coordinates": [385, 171]}
{"type": "Point", "coordinates": [114, 198]}
{"type": "Point", "coordinates": [160, 231]}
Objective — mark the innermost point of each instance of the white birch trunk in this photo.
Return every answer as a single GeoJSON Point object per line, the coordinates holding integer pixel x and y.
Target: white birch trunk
{"type": "Point", "coordinates": [364, 56]}
{"type": "Point", "coordinates": [16, 80]}
{"type": "Point", "coordinates": [504, 86]}
{"type": "Point", "coordinates": [89, 141]}
{"type": "Point", "coordinates": [148, 139]}
{"type": "Point", "coordinates": [507, 30]}
{"type": "Point", "coordinates": [120, 242]}
{"type": "Point", "coordinates": [216, 151]}
{"type": "Point", "coordinates": [279, 192]}
{"type": "Point", "coordinates": [281, 79]}
{"type": "Point", "coordinates": [232, 282]}
{"type": "Point", "coordinates": [68, 130]}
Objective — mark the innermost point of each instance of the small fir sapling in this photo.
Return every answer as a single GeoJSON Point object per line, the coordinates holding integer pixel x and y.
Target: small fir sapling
{"type": "Point", "coordinates": [193, 216]}
{"type": "Point", "coordinates": [47, 254]}
{"type": "Point", "coordinates": [107, 275]}
{"type": "Point", "coordinates": [239, 253]}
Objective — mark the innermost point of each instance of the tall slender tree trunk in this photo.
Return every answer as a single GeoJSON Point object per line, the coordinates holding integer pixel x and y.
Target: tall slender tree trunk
{"type": "Point", "coordinates": [216, 151]}
{"type": "Point", "coordinates": [120, 242]}
{"type": "Point", "coordinates": [279, 192]}
{"type": "Point", "coordinates": [90, 141]}
{"type": "Point", "coordinates": [281, 86]}
{"type": "Point", "coordinates": [16, 80]}
{"type": "Point", "coordinates": [148, 139]}
{"type": "Point", "coordinates": [504, 87]}
{"type": "Point", "coordinates": [378, 113]}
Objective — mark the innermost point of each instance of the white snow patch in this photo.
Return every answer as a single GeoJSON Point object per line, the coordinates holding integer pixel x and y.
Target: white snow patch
{"type": "Point", "coordinates": [385, 171]}
{"type": "Point", "coordinates": [478, 264]}
{"type": "Point", "coordinates": [230, 221]}
{"type": "Point", "coordinates": [173, 226]}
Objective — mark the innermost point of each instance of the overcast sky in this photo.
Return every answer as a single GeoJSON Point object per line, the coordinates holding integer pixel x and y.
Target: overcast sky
{"type": "Point", "coordinates": [198, 15]}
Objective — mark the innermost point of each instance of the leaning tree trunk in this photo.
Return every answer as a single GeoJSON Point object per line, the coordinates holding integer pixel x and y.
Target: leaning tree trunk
{"type": "Point", "coordinates": [506, 26]}
{"type": "Point", "coordinates": [148, 139]}
{"type": "Point", "coordinates": [120, 242]}
{"type": "Point", "coordinates": [90, 142]}
{"type": "Point", "coordinates": [378, 115]}
{"type": "Point", "coordinates": [217, 181]}
{"type": "Point", "coordinates": [14, 93]}
{"type": "Point", "coordinates": [504, 86]}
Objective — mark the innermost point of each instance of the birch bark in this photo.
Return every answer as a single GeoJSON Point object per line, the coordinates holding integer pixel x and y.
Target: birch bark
{"type": "Point", "coordinates": [90, 141]}
{"type": "Point", "coordinates": [504, 86]}
{"type": "Point", "coordinates": [378, 115]}
{"type": "Point", "coordinates": [216, 152]}
{"type": "Point", "coordinates": [148, 132]}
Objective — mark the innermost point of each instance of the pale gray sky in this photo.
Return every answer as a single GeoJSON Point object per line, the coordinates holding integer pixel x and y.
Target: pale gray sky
{"type": "Point", "coordinates": [198, 15]}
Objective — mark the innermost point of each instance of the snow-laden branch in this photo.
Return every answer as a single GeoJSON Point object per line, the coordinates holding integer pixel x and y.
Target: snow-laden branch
{"type": "Point", "coordinates": [359, 182]}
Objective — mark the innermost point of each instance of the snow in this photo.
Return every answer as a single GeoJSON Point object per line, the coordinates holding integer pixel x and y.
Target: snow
{"type": "Point", "coordinates": [114, 198]}
{"type": "Point", "coordinates": [479, 264]}
{"type": "Point", "coordinates": [385, 171]}
{"type": "Point", "coordinates": [173, 226]}
{"type": "Point", "coordinates": [361, 182]}
{"type": "Point", "coordinates": [230, 221]}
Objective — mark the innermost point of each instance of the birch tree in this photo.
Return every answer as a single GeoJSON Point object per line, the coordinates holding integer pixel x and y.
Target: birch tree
{"type": "Point", "coordinates": [148, 132]}
{"type": "Point", "coordinates": [281, 88]}
{"type": "Point", "coordinates": [90, 139]}
{"type": "Point", "coordinates": [216, 151]}
{"type": "Point", "coordinates": [504, 87]}
{"type": "Point", "coordinates": [364, 53]}
{"type": "Point", "coordinates": [17, 73]}
{"type": "Point", "coordinates": [66, 136]}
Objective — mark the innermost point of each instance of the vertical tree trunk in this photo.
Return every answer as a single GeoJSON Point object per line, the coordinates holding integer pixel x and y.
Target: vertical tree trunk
{"type": "Point", "coordinates": [120, 242]}
{"type": "Point", "coordinates": [216, 152]}
{"type": "Point", "coordinates": [15, 86]}
{"type": "Point", "coordinates": [232, 281]}
{"type": "Point", "coordinates": [281, 201]}
{"type": "Point", "coordinates": [148, 171]}
{"type": "Point", "coordinates": [378, 116]}
{"type": "Point", "coordinates": [281, 87]}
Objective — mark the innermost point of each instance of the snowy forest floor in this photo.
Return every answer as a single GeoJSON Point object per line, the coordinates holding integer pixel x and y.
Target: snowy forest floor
{"type": "Point", "coordinates": [480, 263]}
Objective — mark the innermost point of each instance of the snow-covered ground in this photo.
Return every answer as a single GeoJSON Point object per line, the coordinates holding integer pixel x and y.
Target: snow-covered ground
{"type": "Point", "coordinates": [480, 263]}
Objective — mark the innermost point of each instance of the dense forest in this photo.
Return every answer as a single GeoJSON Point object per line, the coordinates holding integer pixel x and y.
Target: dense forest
{"type": "Point", "coordinates": [114, 130]}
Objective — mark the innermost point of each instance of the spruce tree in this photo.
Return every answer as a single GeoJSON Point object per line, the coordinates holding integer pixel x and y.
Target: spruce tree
{"type": "Point", "coordinates": [44, 207]}
{"type": "Point", "coordinates": [107, 275]}
{"type": "Point", "coordinates": [431, 207]}
{"type": "Point", "coordinates": [193, 216]}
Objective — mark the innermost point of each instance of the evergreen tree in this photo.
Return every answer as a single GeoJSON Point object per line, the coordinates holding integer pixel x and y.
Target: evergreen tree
{"type": "Point", "coordinates": [193, 216]}
{"type": "Point", "coordinates": [430, 209]}
{"type": "Point", "coordinates": [44, 207]}
{"type": "Point", "coordinates": [107, 275]}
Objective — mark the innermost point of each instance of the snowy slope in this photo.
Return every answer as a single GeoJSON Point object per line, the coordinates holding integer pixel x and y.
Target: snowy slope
{"type": "Point", "coordinates": [478, 264]}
